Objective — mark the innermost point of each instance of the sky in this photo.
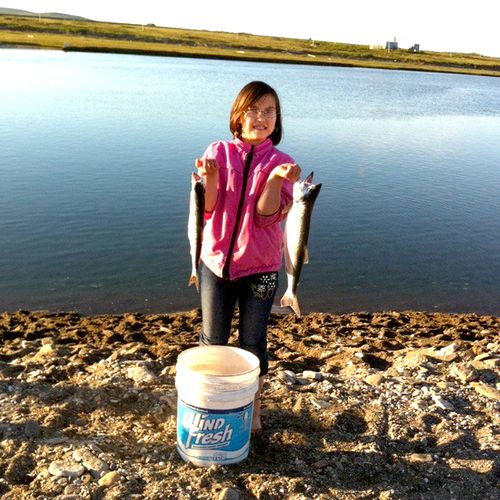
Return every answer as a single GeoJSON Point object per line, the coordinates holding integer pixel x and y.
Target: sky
{"type": "Point", "coordinates": [437, 25]}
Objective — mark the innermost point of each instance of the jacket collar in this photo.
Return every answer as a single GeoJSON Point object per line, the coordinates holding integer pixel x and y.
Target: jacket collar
{"type": "Point", "coordinates": [245, 148]}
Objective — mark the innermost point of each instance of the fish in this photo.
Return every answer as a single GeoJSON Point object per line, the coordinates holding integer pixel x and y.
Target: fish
{"type": "Point", "coordinates": [195, 225]}
{"type": "Point", "coordinates": [295, 237]}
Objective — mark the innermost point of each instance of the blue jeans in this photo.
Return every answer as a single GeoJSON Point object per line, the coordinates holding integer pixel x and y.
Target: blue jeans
{"type": "Point", "coordinates": [254, 295]}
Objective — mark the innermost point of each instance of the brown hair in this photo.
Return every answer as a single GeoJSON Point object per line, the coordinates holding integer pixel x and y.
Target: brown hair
{"type": "Point", "coordinates": [247, 97]}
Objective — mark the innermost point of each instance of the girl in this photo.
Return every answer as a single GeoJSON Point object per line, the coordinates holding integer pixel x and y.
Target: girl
{"type": "Point", "coordinates": [248, 189]}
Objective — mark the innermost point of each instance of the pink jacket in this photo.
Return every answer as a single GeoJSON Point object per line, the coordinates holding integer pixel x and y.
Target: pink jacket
{"type": "Point", "coordinates": [257, 246]}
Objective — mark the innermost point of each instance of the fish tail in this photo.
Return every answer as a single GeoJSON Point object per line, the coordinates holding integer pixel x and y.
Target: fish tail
{"type": "Point", "coordinates": [291, 300]}
{"type": "Point", "coordinates": [193, 280]}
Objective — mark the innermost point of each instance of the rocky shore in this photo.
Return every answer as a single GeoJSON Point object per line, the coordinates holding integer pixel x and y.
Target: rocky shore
{"type": "Point", "coordinates": [390, 405]}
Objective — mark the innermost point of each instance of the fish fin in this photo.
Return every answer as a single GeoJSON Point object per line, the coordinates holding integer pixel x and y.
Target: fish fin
{"type": "Point", "coordinates": [193, 280]}
{"type": "Point", "coordinates": [290, 300]}
{"type": "Point", "coordinates": [309, 178]}
{"type": "Point", "coordinates": [306, 256]}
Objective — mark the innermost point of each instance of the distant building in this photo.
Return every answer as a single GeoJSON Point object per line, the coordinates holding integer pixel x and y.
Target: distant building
{"type": "Point", "coordinates": [415, 48]}
{"type": "Point", "coordinates": [391, 45]}
{"type": "Point", "coordinates": [375, 47]}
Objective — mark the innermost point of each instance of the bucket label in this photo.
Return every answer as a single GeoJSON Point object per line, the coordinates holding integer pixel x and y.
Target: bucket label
{"type": "Point", "coordinates": [207, 429]}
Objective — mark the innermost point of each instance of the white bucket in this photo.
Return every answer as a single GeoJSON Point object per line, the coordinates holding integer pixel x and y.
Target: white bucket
{"type": "Point", "coordinates": [216, 387]}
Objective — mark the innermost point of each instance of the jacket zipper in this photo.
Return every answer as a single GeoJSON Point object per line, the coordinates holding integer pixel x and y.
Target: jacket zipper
{"type": "Point", "coordinates": [248, 162]}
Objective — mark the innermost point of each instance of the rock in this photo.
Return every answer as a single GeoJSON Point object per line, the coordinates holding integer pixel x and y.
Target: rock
{"type": "Point", "coordinates": [489, 359]}
{"type": "Point", "coordinates": [109, 479]}
{"type": "Point", "coordinates": [386, 495]}
{"type": "Point", "coordinates": [492, 362]}
{"type": "Point", "coordinates": [71, 489]}
{"type": "Point", "coordinates": [486, 360]}
{"type": "Point", "coordinates": [46, 350]}
{"type": "Point", "coordinates": [320, 404]}
{"type": "Point", "coordinates": [229, 494]}
{"type": "Point", "coordinates": [303, 381]}
{"type": "Point", "coordinates": [483, 356]}
{"type": "Point", "coordinates": [375, 379]}
{"type": "Point", "coordinates": [86, 478]}
{"type": "Point", "coordinates": [169, 371]}
{"type": "Point", "coordinates": [32, 429]}
{"type": "Point", "coordinates": [93, 464]}
{"type": "Point", "coordinates": [414, 358]}
{"type": "Point", "coordinates": [318, 338]}
{"type": "Point", "coordinates": [465, 372]}
{"type": "Point", "coordinates": [56, 440]}
{"type": "Point", "coordinates": [309, 374]}
{"type": "Point", "coordinates": [141, 374]}
{"type": "Point", "coordinates": [287, 376]}
{"type": "Point", "coordinates": [486, 390]}
{"type": "Point", "coordinates": [66, 468]}
{"type": "Point", "coordinates": [447, 353]}
{"type": "Point", "coordinates": [420, 458]}
{"type": "Point", "coordinates": [419, 404]}
{"type": "Point", "coordinates": [326, 354]}
{"type": "Point", "coordinates": [325, 386]}
{"type": "Point", "coordinates": [442, 403]}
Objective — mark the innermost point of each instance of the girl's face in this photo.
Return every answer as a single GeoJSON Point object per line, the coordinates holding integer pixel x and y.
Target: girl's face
{"type": "Point", "coordinates": [258, 121]}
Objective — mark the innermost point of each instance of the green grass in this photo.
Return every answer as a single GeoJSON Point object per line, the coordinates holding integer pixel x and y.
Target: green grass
{"type": "Point", "coordinates": [153, 40]}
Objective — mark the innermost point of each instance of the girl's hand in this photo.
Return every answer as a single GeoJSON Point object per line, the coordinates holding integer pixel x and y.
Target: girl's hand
{"type": "Point", "coordinates": [270, 199]}
{"type": "Point", "coordinates": [206, 167]}
{"type": "Point", "coordinates": [286, 171]}
{"type": "Point", "coordinates": [209, 169]}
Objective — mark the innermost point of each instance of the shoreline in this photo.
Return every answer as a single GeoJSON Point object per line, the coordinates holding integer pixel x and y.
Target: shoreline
{"type": "Point", "coordinates": [348, 63]}
{"type": "Point", "coordinates": [275, 311]}
{"type": "Point", "coordinates": [417, 317]}
{"type": "Point", "coordinates": [361, 64]}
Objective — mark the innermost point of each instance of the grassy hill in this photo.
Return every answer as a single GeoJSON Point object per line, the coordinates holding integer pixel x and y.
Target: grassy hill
{"type": "Point", "coordinates": [4, 11]}
{"type": "Point", "coordinates": [86, 35]}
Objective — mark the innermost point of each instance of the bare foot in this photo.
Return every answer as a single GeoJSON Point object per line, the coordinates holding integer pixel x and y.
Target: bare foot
{"type": "Point", "coordinates": [256, 421]}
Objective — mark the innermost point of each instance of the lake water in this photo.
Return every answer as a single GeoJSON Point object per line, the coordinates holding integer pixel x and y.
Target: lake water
{"type": "Point", "coordinates": [96, 152]}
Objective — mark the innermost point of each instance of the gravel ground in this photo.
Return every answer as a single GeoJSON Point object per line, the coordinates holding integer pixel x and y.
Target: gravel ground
{"type": "Point", "coordinates": [382, 405]}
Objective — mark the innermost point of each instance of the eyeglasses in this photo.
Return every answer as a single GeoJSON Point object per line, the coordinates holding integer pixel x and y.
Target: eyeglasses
{"type": "Point", "coordinates": [265, 113]}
